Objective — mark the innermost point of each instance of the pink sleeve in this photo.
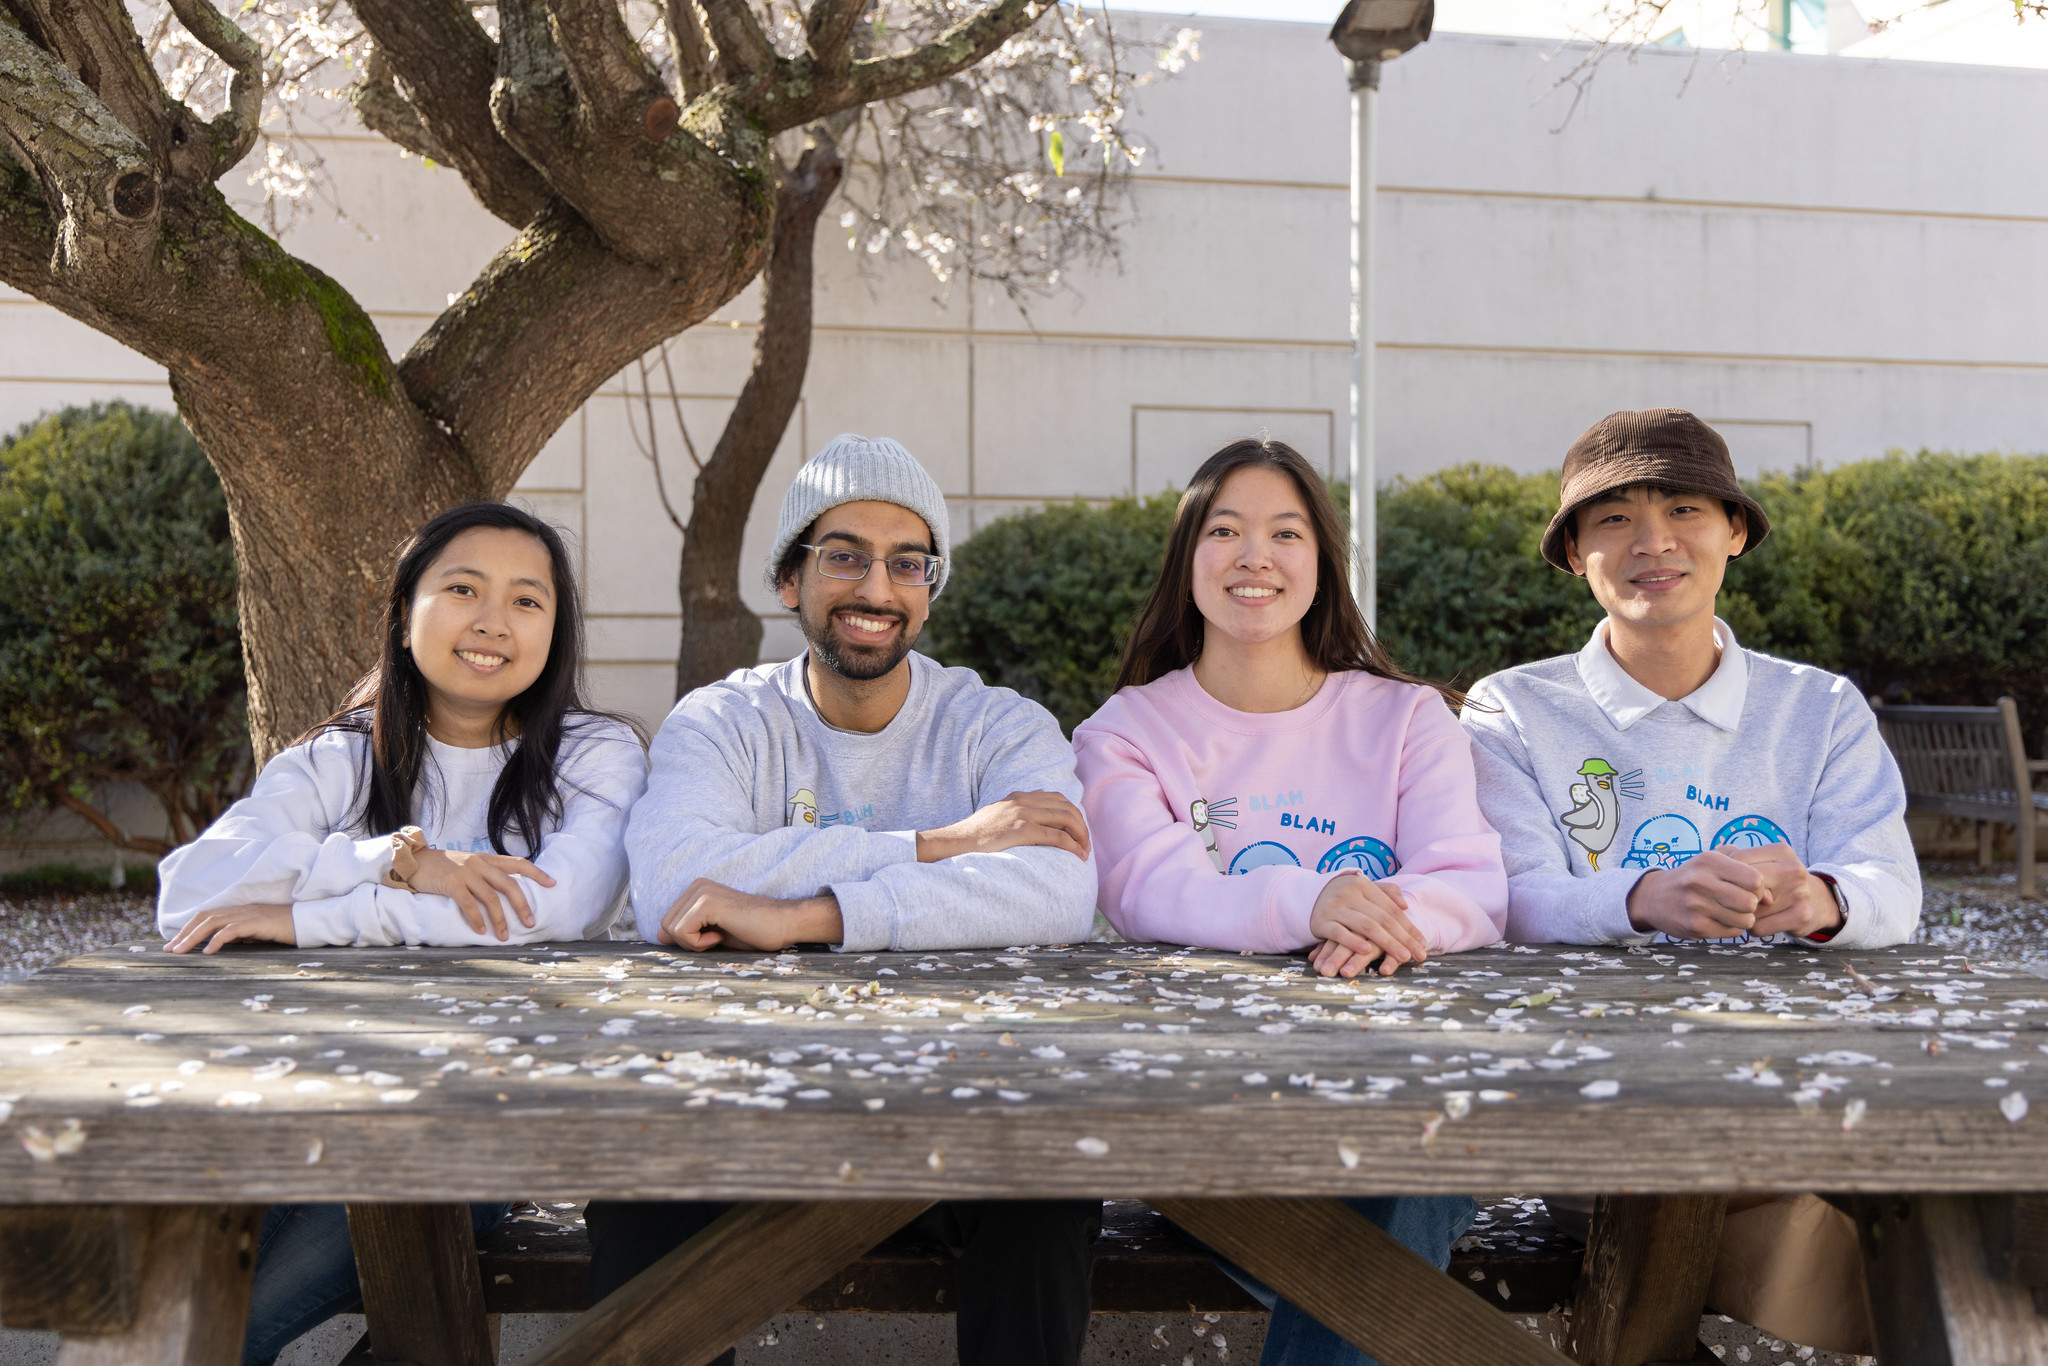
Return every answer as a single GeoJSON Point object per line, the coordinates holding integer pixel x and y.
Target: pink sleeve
{"type": "Point", "coordinates": [1451, 868]}
{"type": "Point", "coordinates": [1156, 882]}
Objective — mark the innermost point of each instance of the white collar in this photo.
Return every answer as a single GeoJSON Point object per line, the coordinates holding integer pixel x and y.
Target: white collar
{"type": "Point", "coordinates": [1718, 701]}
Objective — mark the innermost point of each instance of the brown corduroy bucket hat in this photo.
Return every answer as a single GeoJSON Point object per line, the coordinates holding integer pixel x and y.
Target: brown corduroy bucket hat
{"type": "Point", "coordinates": [1664, 446]}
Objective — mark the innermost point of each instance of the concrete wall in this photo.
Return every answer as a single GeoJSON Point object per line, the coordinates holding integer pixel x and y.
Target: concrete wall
{"type": "Point", "coordinates": [1827, 256]}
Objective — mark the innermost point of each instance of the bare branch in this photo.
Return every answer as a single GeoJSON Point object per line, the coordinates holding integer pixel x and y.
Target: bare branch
{"type": "Point", "coordinates": [234, 130]}
{"type": "Point", "coordinates": [386, 112]}
{"type": "Point", "coordinates": [612, 76]}
{"type": "Point", "coordinates": [447, 64]}
{"type": "Point", "coordinates": [828, 32]}
{"type": "Point", "coordinates": [815, 93]}
{"type": "Point", "coordinates": [92, 167]}
{"type": "Point", "coordinates": [743, 49]}
{"type": "Point", "coordinates": [686, 38]}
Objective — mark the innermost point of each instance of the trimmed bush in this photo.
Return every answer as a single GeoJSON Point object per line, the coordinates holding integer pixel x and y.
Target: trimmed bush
{"type": "Point", "coordinates": [1042, 602]}
{"type": "Point", "coordinates": [1923, 578]}
{"type": "Point", "coordinates": [120, 658]}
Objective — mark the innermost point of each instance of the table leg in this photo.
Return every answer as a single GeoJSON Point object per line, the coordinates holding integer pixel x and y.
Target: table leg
{"type": "Point", "coordinates": [1648, 1264]}
{"type": "Point", "coordinates": [423, 1295]}
{"type": "Point", "coordinates": [1937, 1296]}
{"type": "Point", "coordinates": [747, 1267]}
{"type": "Point", "coordinates": [1360, 1282]}
{"type": "Point", "coordinates": [132, 1285]}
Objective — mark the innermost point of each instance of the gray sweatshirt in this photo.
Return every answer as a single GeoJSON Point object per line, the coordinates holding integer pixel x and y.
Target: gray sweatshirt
{"type": "Point", "coordinates": [750, 787]}
{"type": "Point", "coordinates": [1593, 780]}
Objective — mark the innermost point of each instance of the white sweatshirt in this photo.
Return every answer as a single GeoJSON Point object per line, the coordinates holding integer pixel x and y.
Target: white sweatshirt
{"type": "Point", "coordinates": [1592, 780]}
{"type": "Point", "coordinates": [295, 838]}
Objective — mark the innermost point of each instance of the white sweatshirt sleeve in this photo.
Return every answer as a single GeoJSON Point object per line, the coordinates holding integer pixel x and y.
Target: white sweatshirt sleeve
{"type": "Point", "coordinates": [1856, 832]}
{"type": "Point", "coordinates": [602, 773]}
{"type": "Point", "coordinates": [285, 842]}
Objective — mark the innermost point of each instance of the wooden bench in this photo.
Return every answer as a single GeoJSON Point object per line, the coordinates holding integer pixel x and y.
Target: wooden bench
{"type": "Point", "coordinates": [1970, 762]}
{"type": "Point", "coordinates": [538, 1262]}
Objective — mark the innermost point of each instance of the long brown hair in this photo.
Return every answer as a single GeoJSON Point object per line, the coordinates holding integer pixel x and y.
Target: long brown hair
{"type": "Point", "coordinates": [1170, 629]}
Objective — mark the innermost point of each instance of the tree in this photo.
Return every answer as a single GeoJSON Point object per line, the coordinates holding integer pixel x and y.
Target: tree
{"type": "Point", "coordinates": [644, 195]}
{"type": "Point", "coordinates": [955, 175]}
{"type": "Point", "coordinates": [119, 657]}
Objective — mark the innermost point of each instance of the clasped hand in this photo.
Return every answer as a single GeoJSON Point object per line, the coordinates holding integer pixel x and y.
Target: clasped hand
{"type": "Point", "coordinates": [1723, 893]}
{"type": "Point", "coordinates": [1359, 922]}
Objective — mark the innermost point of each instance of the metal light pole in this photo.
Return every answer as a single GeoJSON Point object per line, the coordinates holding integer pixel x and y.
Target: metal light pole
{"type": "Point", "coordinates": [1368, 33]}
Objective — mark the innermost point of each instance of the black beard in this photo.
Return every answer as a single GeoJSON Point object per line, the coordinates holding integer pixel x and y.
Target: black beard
{"type": "Point", "coordinates": [857, 665]}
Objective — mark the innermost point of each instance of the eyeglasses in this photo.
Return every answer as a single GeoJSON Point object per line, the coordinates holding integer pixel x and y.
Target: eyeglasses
{"type": "Point", "coordinates": [844, 562]}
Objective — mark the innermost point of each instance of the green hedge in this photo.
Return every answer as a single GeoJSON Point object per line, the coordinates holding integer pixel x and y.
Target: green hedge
{"type": "Point", "coordinates": [1921, 577]}
{"type": "Point", "coordinates": [120, 653]}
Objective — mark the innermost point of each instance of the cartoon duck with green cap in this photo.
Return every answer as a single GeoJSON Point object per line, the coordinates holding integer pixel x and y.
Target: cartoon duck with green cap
{"type": "Point", "coordinates": [1595, 816]}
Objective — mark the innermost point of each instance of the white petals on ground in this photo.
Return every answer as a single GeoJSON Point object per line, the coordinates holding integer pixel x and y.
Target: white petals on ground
{"type": "Point", "coordinates": [49, 1147]}
{"type": "Point", "coordinates": [1347, 1154]}
{"type": "Point", "coordinates": [383, 1079]}
{"type": "Point", "coordinates": [138, 1010]}
{"type": "Point", "coordinates": [2013, 1105]}
{"type": "Point", "coordinates": [398, 1097]}
{"type": "Point", "coordinates": [1603, 1089]}
{"type": "Point", "coordinates": [1853, 1112]}
{"type": "Point", "coordinates": [313, 1151]}
{"type": "Point", "coordinates": [1091, 1147]}
{"type": "Point", "coordinates": [234, 1099]}
{"type": "Point", "coordinates": [277, 1069]}
{"type": "Point", "coordinates": [1458, 1104]}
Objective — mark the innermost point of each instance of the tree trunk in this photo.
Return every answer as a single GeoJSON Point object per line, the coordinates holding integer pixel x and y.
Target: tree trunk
{"type": "Point", "coordinates": [720, 632]}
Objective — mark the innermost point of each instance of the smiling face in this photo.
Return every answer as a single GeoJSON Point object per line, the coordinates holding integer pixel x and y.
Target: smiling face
{"type": "Point", "coordinates": [1255, 563]}
{"type": "Point", "coordinates": [861, 629]}
{"type": "Point", "coordinates": [1653, 558]}
{"type": "Point", "coordinates": [482, 620]}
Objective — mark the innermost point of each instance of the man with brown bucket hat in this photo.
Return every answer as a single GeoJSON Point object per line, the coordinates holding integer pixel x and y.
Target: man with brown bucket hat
{"type": "Point", "coordinates": [1666, 784]}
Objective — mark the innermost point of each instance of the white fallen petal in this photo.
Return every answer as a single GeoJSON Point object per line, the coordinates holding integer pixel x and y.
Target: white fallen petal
{"type": "Point", "coordinates": [1600, 1090]}
{"type": "Point", "coordinates": [398, 1097]}
{"type": "Point", "coordinates": [232, 1099]}
{"type": "Point", "coordinates": [2013, 1105]}
{"type": "Point", "coordinates": [1091, 1147]}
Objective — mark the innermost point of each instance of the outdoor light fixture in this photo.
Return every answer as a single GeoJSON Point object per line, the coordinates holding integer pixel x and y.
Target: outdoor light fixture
{"type": "Point", "coordinates": [1368, 33]}
{"type": "Point", "coordinates": [1381, 30]}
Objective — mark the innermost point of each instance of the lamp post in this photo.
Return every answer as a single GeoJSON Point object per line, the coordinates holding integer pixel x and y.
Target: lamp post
{"type": "Point", "coordinates": [1368, 33]}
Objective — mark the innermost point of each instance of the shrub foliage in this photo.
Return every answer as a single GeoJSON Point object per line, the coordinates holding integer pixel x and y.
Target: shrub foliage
{"type": "Point", "coordinates": [120, 660]}
{"type": "Point", "coordinates": [1923, 578]}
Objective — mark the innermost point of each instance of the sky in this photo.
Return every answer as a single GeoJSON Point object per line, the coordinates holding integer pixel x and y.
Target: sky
{"type": "Point", "coordinates": [1972, 31]}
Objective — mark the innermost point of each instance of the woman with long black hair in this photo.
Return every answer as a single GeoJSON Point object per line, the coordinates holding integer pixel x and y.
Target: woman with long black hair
{"type": "Point", "coordinates": [1266, 779]}
{"type": "Point", "coordinates": [463, 794]}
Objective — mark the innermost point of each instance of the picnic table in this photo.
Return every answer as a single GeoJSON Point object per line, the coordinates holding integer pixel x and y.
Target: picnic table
{"type": "Point", "coordinates": [153, 1105]}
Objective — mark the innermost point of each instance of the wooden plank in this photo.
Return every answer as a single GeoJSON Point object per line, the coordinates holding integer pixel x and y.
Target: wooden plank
{"type": "Point", "coordinates": [1934, 1297]}
{"type": "Point", "coordinates": [70, 1268]}
{"type": "Point", "coordinates": [2016, 1241]}
{"type": "Point", "coordinates": [1359, 1282]}
{"type": "Point", "coordinates": [423, 1299]}
{"type": "Point", "coordinates": [1033, 1073]}
{"type": "Point", "coordinates": [1648, 1264]}
{"type": "Point", "coordinates": [745, 1268]}
{"type": "Point", "coordinates": [192, 1297]}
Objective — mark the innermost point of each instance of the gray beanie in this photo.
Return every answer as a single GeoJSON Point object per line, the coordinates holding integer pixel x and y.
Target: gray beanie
{"type": "Point", "coordinates": [853, 469]}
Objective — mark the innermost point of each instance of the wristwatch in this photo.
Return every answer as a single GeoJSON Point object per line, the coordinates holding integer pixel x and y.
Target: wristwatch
{"type": "Point", "coordinates": [406, 847]}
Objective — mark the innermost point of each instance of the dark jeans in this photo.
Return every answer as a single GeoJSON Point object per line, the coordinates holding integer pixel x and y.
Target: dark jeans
{"type": "Point", "coordinates": [1021, 1285]}
{"type": "Point", "coordinates": [1426, 1225]}
{"type": "Point", "coordinates": [306, 1274]}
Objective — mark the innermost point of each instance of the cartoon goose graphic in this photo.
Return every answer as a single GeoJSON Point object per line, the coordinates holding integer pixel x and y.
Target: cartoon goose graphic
{"type": "Point", "coordinates": [803, 807]}
{"type": "Point", "coordinates": [1596, 806]}
{"type": "Point", "coordinates": [1207, 814]}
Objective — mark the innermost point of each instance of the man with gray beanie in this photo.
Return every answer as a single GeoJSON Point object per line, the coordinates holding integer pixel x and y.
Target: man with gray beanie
{"type": "Point", "coordinates": [864, 797]}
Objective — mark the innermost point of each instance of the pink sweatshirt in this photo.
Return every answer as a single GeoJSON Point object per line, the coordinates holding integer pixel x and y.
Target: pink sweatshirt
{"type": "Point", "coordinates": [1370, 775]}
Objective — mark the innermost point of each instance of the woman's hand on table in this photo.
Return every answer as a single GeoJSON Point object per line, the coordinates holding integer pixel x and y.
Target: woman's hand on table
{"type": "Point", "coordinates": [480, 885]}
{"type": "Point", "coordinates": [1359, 922]}
{"type": "Point", "coordinates": [267, 924]}
{"type": "Point", "coordinates": [1713, 895]}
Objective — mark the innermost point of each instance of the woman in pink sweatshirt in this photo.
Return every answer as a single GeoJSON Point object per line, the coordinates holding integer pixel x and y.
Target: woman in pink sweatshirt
{"type": "Point", "coordinates": [1265, 779]}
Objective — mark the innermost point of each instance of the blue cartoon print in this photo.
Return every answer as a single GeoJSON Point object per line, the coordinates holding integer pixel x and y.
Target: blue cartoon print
{"type": "Point", "coordinates": [1749, 832]}
{"type": "Point", "coordinates": [1264, 854]}
{"type": "Point", "coordinates": [1363, 852]}
{"type": "Point", "coordinates": [1663, 842]}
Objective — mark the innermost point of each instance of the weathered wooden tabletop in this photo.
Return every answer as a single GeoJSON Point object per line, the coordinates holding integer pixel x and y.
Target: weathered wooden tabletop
{"type": "Point", "coordinates": [625, 1070]}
